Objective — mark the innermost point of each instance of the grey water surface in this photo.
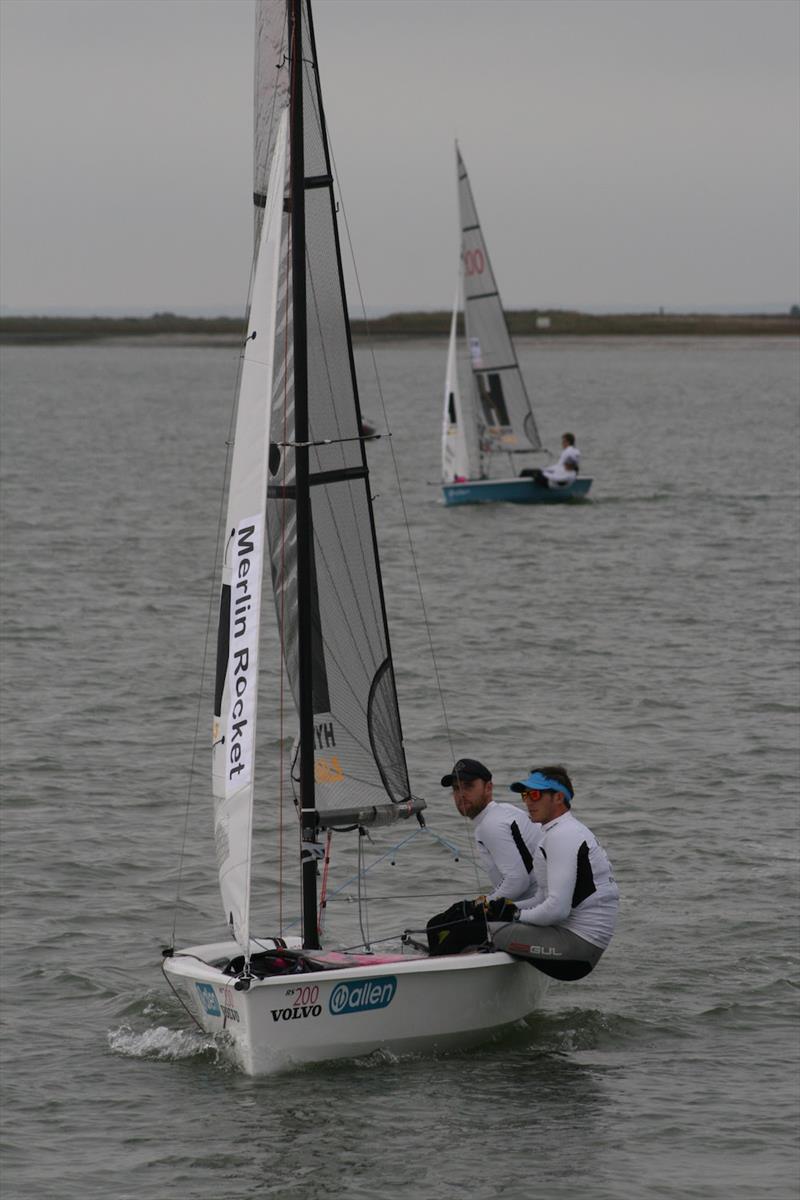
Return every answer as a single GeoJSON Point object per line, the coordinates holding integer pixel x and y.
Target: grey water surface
{"type": "Point", "coordinates": [648, 640]}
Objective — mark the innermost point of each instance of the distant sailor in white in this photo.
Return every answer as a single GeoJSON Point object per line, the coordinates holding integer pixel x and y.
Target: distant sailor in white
{"type": "Point", "coordinates": [569, 921]}
{"type": "Point", "coordinates": [504, 835]}
{"type": "Point", "coordinates": [563, 472]}
{"type": "Point", "coordinates": [569, 462]}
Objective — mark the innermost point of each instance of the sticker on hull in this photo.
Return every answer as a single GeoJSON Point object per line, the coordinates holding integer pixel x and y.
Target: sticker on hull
{"type": "Point", "coordinates": [208, 998]}
{"type": "Point", "coordinates": [362, 995]}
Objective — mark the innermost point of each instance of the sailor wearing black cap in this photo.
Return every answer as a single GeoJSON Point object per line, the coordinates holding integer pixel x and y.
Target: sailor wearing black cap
{"type": "Point", "coordinates": [505, 836]}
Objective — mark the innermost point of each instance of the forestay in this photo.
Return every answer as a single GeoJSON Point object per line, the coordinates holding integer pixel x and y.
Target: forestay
{"type": "Point", "coordinates": [505, 420]}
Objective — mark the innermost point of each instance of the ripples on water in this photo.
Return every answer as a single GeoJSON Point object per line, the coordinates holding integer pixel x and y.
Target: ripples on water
{"type": "Point", "coordinates": [648, 639]}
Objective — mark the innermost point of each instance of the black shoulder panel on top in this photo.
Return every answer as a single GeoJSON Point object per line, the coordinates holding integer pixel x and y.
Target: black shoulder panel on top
{"type": "Point", "coordinates": [584, 882]}
{"type": "Point", "coordinates": [520, 843]}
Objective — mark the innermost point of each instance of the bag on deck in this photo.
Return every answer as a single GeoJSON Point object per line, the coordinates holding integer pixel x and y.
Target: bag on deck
{"type": "Point", "coordinates": [460, 926]}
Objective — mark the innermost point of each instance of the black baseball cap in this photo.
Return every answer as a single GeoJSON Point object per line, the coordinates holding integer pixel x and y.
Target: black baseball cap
{"type": "Point", "coordinates": [467, 769]}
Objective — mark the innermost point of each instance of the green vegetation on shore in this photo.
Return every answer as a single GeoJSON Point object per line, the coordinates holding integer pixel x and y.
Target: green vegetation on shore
{"type": "Point", "coordinates": [522, 323]}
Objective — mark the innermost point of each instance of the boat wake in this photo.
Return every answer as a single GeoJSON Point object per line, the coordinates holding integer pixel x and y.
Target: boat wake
{"type": "Point", "coordinates": [572, 1031]}
{"type": "Point", "coordinates": [162, 1044]}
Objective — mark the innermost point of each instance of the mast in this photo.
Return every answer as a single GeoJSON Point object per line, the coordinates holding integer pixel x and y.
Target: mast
{"type": "Point", "coordinates": [305, 535]}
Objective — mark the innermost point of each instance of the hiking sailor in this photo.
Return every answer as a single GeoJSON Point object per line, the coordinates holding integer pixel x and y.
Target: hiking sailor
{"type": "Point", "coordinates": [564, 471]}
{"type": "Point", "coordinates": [566, 925]}
{"type": "Point", "coordinates": [505, 836]}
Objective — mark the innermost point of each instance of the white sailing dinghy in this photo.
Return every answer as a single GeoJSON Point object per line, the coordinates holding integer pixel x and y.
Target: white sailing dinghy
{"type": "Point", "coordinates": [498, 420]}
{"type": "Point", "coordinates": [299, 498]}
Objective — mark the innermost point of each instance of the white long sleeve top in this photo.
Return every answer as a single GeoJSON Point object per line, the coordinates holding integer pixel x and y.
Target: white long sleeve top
{"type": "Point", "coordinates": [569, 454]}
{"type": "Point", "coordinates": [507, 838]}
{"type": "Point", "coordinates": [563, 471]}
{"type": "Point", "coordinates": [575, 885]}
{"type": "Point", "coordinates": [559, 475]}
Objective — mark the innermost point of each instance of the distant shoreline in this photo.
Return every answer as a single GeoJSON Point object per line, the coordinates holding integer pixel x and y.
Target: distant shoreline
{"type": "Point", "coordinates": [171, 328]}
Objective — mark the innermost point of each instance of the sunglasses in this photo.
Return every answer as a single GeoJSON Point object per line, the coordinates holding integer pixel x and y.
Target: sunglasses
{"type": "Point", "coordinates": [532, 794]}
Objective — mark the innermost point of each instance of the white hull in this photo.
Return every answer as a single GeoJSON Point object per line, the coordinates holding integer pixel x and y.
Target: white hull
{"type": "Point", "coordinates": [401, 1006]}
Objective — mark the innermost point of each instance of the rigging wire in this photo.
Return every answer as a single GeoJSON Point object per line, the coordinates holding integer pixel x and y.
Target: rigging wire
{"type": "Point", "coordinates": [391, 853]}
{"type": "Point", "coordinates": [323, 892]}
{"type": "Point", "coordinates": [363, 902]}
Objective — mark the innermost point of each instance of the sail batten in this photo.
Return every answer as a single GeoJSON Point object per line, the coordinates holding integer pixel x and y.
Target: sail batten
{"type": "Point", "coordinates": [321, 478]}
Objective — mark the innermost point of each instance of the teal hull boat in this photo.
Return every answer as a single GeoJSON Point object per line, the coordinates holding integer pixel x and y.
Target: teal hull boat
{"type": "Point", "coordinates": [513, 491]}
{"type": "Point", "coordinates": [496, 420]}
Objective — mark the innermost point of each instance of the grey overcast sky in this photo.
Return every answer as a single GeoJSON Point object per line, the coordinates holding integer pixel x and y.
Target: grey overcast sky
{"type": "Point", "coordinates": [623, 153]}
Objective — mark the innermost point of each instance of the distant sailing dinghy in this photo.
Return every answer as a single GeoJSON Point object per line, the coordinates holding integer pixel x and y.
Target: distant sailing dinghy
{"type": "Point", "coordinates": [497, 420]}
{"type": "Point", "coordinates": [299, 500]}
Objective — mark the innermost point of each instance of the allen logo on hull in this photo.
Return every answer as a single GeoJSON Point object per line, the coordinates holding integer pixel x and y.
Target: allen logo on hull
{"type": "Point", "coordinates": [362, 996]}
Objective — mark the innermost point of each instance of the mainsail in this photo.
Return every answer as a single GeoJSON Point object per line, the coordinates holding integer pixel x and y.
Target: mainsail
{"type": "Point", "coordinates": [359, 757]}
{"type": "Point", "coordinates": [505, 420]}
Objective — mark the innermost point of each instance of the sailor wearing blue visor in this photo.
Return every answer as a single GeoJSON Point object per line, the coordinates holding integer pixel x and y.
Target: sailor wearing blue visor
{"type": "Point", "coordinates": [568, 922]}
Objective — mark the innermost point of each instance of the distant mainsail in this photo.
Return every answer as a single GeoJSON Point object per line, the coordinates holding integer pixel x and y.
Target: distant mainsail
{"type": "Point", "coordinates": [503, 409]}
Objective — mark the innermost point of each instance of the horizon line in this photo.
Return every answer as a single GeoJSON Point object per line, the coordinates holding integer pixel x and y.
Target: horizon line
{"type": "Point", "coordinates": [227, 312]}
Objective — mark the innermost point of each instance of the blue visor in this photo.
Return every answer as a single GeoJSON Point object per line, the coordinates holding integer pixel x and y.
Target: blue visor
{"type": "Point", "coordinates": [538, 782]}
